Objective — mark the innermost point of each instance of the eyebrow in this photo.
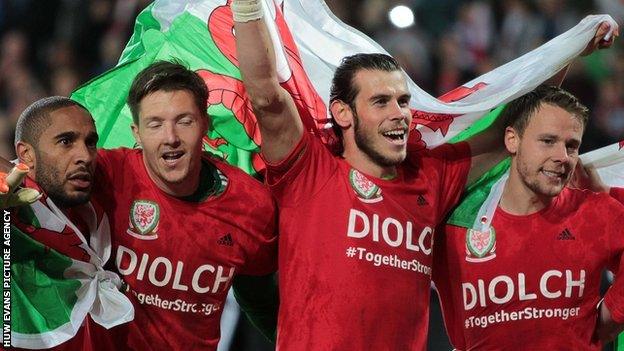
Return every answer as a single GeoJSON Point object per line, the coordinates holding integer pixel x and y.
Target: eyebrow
{"type": "Point", "coordinates": [553, 136]}
{"type": "Point", "coordinates": [67, 135]}
{"type": "Point", "coordinates": [388, 96]}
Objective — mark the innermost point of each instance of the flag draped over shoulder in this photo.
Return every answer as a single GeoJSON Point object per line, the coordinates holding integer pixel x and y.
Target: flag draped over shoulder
{"type": "Point", "coordinates": [57, 278]}
{"type": "Point", "coordinates": [482, 197]}
{"type": "Point", "coordinates": [309, 42]}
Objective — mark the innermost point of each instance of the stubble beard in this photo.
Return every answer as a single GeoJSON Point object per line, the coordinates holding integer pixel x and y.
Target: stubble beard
{"type": "Point", "coordinates": [51, 182]}
{"type": "Point", "coordinates": [364, 143]}
{"type": "Point", "coordinates": [533, 184]}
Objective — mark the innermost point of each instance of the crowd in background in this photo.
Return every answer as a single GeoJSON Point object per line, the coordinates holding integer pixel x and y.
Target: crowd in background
{"type": "Point", "coordinates": [51, 47]}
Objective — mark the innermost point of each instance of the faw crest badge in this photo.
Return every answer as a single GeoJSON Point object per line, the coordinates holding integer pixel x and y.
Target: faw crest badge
{"type": "Point", "coordinates": [366, 190]}
{"type": "Point", "coordinates": [480, 245]}
{"type": "Point", "coordinates": [144, 217]}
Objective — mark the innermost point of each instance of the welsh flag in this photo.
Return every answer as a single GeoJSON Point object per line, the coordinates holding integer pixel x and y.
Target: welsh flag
{"type": "Point", "coordinates": [310, 42]}
{"type": "Point", "coordinates": [482, 196]}
{"type": "Point", "coordinates": [57, 277]}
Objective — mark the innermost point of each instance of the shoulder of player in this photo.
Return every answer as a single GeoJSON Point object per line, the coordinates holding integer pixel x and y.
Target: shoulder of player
{"type": "Point", "coordinates": [588, 198]}
{"type": "Point", "coordinates": [443, 152]}
{"type": "Point", "coordinates": [119, 155]}
{"type": "Point", "coordinates": [236, 176]}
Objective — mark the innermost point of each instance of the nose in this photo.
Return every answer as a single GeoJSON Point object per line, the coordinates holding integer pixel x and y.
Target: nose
{"type": "Point", "coordinates": [171, 135]}
{"type": "Point", "coordinates": [560, 153]}
{"type": "Point", "coordinates": [398, 112]}
{"type": "Point", "coordinates": [85, 154]}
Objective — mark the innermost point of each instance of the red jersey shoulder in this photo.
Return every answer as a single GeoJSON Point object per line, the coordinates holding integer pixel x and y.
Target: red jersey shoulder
{"type": "Point", "coordinates": [241, 183]}
{"type": "Point", "coordinates": [122, 155]}
{"type": "Point", "coordinates": [438, 156]}
{"type": "Point", "coordinates": [582, 203]}
{"type": "Point", "coordinates": [580, 198]}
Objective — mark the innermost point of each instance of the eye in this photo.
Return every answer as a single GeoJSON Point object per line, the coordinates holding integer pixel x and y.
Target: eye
{"type": "Point", "coordinates": [572, 149]}
{"type": "Point", "coordinates": [64, 141]}
{"type": "Point", "coordinates": [381, 102]}
{"type": "Point", "coordinates": [404, 102]}
{"type": "Point", "coordinates": [186, 121]}
{"type": "Point", "coordinates": [153, 124]}
{"type": "Point", "coordinates": [91, 143]}
{"type": "Point", "coordinates": [548, 141]}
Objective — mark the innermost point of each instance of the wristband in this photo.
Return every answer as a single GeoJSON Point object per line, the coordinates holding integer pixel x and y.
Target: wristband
{"type": "Point", "coordinates": [246, 10]}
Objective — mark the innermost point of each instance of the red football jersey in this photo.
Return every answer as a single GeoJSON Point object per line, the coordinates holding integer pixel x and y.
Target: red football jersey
{"type": "Point", "coordinates": [355, 250]}
{"type": "Point", "coordinates": [533, 282]}
{"type": "Point", "coordinates": [178, 257]}
{"type": "Point", "coordinates": [617, 193]}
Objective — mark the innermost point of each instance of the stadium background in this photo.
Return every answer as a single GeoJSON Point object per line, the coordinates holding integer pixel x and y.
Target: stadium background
{"type": "Point", "coordinates": [49, 47]}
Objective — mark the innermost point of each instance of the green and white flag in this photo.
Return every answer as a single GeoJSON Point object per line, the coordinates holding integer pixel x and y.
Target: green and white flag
{"type": "Point", "coordinates": [57, 278]}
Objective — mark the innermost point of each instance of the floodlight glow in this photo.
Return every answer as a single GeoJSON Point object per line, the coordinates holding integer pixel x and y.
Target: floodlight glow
{"type": "Point", "coordinates": [401, 16]}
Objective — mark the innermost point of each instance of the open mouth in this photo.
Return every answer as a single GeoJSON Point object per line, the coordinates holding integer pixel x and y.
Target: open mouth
{"type": "Point", "coordinates": [171, 157]}
{"type": "Point", "coordinates": [396, 136]}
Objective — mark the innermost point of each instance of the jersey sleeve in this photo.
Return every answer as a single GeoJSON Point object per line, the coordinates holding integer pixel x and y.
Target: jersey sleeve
{"type": "Point", "coordinates": [262, 251]}
{"type": "Point", "coordinates": [303, 173]}
{"type": "Point", "coordinates": [617, 193]}
{"type": "Point", "coordinates": [614, 298]}
{"type": "Point", "coordinates": [453, 163]}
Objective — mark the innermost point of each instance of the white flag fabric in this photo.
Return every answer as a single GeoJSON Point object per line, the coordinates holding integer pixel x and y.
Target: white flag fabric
{"type": "Point", "coordinates": [323, 40]}
{"type": "Point", "coordinates": [609, 162]}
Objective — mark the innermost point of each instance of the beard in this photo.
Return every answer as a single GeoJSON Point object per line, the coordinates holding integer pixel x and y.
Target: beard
{"type": "Point", "coordinates": [364, 142]}
{"type": "Point", "coordinates": [51, 182]}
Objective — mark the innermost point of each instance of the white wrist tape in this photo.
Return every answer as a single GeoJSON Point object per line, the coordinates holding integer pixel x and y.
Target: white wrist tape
{"type": "Point", "coordinates": [246, 10]}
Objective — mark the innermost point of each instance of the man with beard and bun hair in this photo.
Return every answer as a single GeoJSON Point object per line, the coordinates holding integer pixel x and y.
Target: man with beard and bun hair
{"type": "Point", "coordinates": [55, 142]}
{"type": "Point", "coordinates": [356, 229]}
{"type": "Point", "coordinates": [184, 223]}
{"type": "Point", "coordinates": [355, 251]}
{"type": "Point", "coordinates": [530, 280]}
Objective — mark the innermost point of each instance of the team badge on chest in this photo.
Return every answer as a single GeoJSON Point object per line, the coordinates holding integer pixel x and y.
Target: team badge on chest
{"type": "Point", "coordinates": [366, 190]}
{"type": "Point", "coordinates": [144, 217]}
{"type": "Point", "coordinates": [480, 245]}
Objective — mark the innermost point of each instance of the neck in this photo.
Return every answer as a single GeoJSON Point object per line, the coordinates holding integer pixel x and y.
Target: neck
{"type": "Point", "coordinates": [518, 199]}
{"type": "Point", "coordinates": [362, 162]}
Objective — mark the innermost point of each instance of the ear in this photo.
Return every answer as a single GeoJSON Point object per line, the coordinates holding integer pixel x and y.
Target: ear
{"type": "Point", "coordinates": [135, 132]}
{"type": "Point", "coordinates": [26, 154]}
{"type": "Point", "coordinates": [342, 113]}
{"type": "Point", "coordinates": [512, 140]}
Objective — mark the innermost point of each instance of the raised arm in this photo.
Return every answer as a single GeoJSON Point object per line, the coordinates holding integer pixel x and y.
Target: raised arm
{"type": "Point", "coordinates": [280, 125]}
{"type": "Point", "coordinates": [487, 147]}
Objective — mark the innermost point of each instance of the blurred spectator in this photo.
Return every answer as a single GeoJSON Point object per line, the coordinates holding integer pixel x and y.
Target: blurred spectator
{"type": "Point", "coordinates": [519, 32]}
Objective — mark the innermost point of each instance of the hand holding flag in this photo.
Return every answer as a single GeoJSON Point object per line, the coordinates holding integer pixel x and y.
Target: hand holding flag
{"type": "Point", "coordinates": [604, 37]}
{"type": "Point", "coordinates": [10, 196]}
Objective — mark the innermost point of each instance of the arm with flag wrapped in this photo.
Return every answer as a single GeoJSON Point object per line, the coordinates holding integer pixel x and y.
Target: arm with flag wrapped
{"type": "Point", "coordinates": [487, 147]}
{"type": "Point", "coordinates": [280, 124]}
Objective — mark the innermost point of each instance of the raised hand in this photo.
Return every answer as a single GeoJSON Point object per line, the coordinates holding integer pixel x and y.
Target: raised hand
{"type": "Point", "coordinates": [10, 195]}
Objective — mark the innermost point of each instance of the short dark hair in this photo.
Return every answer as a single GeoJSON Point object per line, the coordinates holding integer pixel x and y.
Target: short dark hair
{"type": "Point", "coordinates": [518, 112]}
{"type": "Point", "coordinates": [167, 76]}
{"type": "Point", "coordinates": [36, 118]}
{"type": "Point", "coordinates": [344, 89]}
